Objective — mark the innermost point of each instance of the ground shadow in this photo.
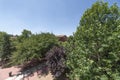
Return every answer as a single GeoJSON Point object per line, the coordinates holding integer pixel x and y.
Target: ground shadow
{"type": "Point", "coordinates": [41, 69]}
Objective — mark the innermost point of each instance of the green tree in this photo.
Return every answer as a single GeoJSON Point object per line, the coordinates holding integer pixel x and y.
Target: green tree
{"type": "Point", "coordinates": [97, 41]}
{"type": "Point", "coordinates": [5, 46]}
{"type": "Point", "coordinates": [34, 47]}
{"type": "Point", "coordinates": [25, 34]}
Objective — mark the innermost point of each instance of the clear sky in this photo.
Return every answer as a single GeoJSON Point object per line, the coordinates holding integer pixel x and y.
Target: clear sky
{"type": "Point", "coordinates": [56, 16]}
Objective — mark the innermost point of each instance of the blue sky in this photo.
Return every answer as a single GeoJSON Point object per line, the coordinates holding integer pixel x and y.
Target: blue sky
{"type": "Point", "coordinates": [56, 16]}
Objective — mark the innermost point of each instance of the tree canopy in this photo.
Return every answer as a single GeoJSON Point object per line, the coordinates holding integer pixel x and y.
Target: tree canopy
{"type": "Point", "coordinates": [97, 41]}
{"type": "Point", "coordinates": [34, 47]}
{"type": "Point", "coordinates": [5, 46]}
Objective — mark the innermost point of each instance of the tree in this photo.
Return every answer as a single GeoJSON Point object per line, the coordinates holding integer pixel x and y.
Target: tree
{"type": "Point", "coordinates": [25, 34]}
{"type": "Point", "coordinates": [5, 46]}
{"type": "Point", "coordinates": [96, 54]}
{"type": "Point", "coordinates": [18, 41]}
{"type": "Point", "coordinates": [34, 47]}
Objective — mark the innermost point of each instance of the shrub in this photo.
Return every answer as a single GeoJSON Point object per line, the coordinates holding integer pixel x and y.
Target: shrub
{"type": "Point", "coordinates": [55, 60]}
{"type": "Point", "coordinates": [34, 47]}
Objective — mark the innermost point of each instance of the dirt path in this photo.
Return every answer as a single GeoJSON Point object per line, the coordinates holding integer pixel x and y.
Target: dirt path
{"type": "Point", "coordinates": [4, 74]}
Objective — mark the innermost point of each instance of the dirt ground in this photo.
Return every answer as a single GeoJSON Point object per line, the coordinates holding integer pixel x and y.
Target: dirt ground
{"type": "Point", "coordinates": [4, 74]}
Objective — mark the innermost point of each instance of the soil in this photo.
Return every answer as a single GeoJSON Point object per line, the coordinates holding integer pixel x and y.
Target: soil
{"type": "Point", "coordinates": [4, 74]}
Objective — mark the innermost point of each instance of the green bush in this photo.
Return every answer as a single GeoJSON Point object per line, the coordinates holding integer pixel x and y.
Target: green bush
{"type": "Point", "coordinates": [34, 47]}
{"type": "Point", "coordinates": [5, 46]}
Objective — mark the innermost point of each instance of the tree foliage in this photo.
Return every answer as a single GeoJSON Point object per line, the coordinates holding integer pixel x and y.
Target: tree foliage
{"type": "Point", "coordinates": [97, 41]}
{"type": "Point", "coordinates": [5, 46]}
{"type": "Point", "coordinates": [55, 60]}
{"type": "Point", "coordinates": [34, 47]}
{"type": "Point", "coordinates": [25, 34]}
